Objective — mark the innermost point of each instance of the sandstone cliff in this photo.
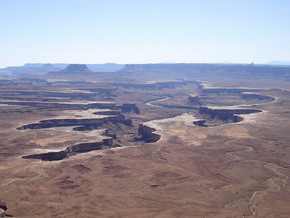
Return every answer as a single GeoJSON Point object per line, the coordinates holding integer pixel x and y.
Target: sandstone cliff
{"type": "Point", "coordinates": [227, 115]}
{"type": "Point", "coordinates": [147, 134]}
{"type": "Point", "coordinates": [96, 122]}
{"type": "Point", "coordinates": [193, 99]}
{"type": "Point", "coordinates": [130, 108]}
{"type": "Point", "coordinates": [71, 150]}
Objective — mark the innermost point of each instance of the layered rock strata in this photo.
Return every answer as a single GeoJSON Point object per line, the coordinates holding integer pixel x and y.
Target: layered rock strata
{"type": "Point", "coordinates": [199, 123]}
{"type": "Point", "coordinates": [71, 150]}
{"type": "Point", "coordinates": [3, 209]}
{"type": "Point", "coordinates": [147, 134]}
{"type": "Point", "coordinates": [66, 106]}
{"type": "Point", "coordinates": [193, 99]}
{"type": "Point", "coordinates": [130, 108]}
{"type": "Point", "coordinates": [125, 108]}
{"type": "Point", "coordinates": [226, 115]}
{"type": "Point", "coordinates": [96, 122]}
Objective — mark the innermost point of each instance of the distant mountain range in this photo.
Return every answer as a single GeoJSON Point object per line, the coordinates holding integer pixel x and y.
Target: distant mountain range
{"type": "Point", "coordinates": [61, 68]}
{"type": "Point", "coordinates": [40, 68]}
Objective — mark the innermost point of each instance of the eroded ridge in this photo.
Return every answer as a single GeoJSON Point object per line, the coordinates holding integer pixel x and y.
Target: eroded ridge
{"type": "Point", "coordinates": [235, 170]}
{"type": "Point", "coordinates": [112, 115]}
{"type": "Point", "coordinates": [224, 115]}
{"type": "Point", "coordinates": [147, 134]}
{"type": "Point", "coordinates": [72, 150]}
{"type": "Point", "coordinates": [89, 122]}
{"type": "Point", "coordinates": [111, 120]}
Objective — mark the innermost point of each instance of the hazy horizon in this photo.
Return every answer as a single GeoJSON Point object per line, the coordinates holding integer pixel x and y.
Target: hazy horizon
{"type": "Point", "coordinates": [127, 31]}
{"type": "Point", "coordinates": [278, 63]}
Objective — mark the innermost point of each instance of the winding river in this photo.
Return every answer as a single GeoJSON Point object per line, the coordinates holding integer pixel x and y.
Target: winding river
{"type": "Point", "coordinates": [153, 103]}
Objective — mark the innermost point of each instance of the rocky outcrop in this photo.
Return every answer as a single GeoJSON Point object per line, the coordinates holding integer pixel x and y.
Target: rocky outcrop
{"type": "Point", "coordinates": [226, 115]}
{"type": "Point", "coordinates": [3, 206]}
{"type": "Point", "coordinates": [147, 134]}
{"type": "Point", "coordinates": [193, 99]}
{"type": "Point", "coordinates": [76, 68]}
{"type": "Point", "coordinates": [130, 108]}
{"type": "Point", "coordinates": [84, 147]}
{"type": "Point", "coordinates": [199, 123]}
{"type": "Point", "coordinates": [108, 141]}
{"type": "Point", "coordinates": [50, 156]}
{"type": "Point", "coordinates": [237, 119]}
{"type": "Point", "coordinates": [71, 150]}
{"type": "Point", "coordinates": [88, 123]}
{"type": "Point", "coordinates": [3, 209]}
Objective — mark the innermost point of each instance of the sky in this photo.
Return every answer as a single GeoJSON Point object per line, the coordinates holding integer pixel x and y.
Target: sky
{"type": "Point", "coordinates": [144, 31]}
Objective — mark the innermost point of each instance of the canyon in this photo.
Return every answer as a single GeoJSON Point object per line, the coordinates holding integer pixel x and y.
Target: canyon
{"type": "Point", "coordinates": [170, 140]}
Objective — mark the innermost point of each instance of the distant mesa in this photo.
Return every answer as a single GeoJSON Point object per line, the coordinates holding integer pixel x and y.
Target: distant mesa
{"type": "Point", "coordinates": [221, 69]}
{"type": "Point", "coordinates": [31, 69]}
{"type": "Point", "coordinates": [73, 69]}
{"type": "Point", "coordinates": [77, 68]}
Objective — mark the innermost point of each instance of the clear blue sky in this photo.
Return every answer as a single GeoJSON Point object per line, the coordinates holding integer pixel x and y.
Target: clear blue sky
{"type": "Point", "coordinates": [143, 31]}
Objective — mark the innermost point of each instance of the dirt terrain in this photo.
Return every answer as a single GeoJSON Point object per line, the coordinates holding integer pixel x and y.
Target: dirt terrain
{"type": "Point", "coordinates": [173, 144]}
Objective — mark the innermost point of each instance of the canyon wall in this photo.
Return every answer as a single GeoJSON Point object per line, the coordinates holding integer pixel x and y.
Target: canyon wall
{"type": "Point", "coordinates": [130, 108]}
{"type": "Point", "coordinates": [67, 106]}
{"type": "Point", "coordinates": [199, 123]}
{"type": "Point", "coordinates": [227, 115]}
{"type": "Point", "coordinates": [70, 151]}
{"type": "Point", "coordinates": [77, 122]}
{"type": "Point", "coordinates": [194, 99]}
{"type": "Point", "coordinates": [254, 96]}
{"type": "Point", "coordinates": [147, 134]}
